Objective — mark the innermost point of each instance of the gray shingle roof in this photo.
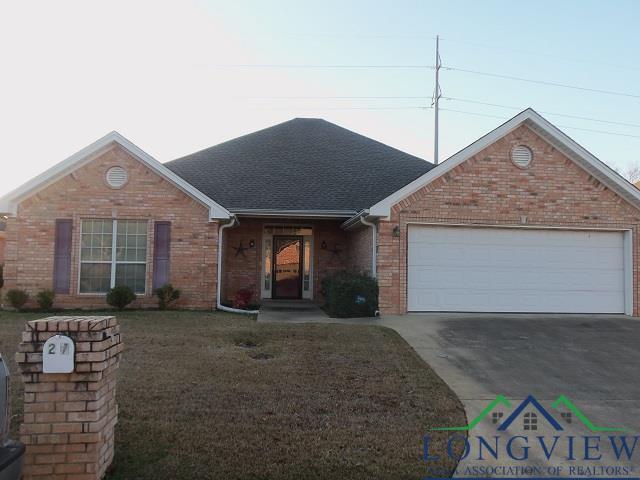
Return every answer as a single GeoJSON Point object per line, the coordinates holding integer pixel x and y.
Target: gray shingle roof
{"type": "Point", "coordinates": [302, 164]}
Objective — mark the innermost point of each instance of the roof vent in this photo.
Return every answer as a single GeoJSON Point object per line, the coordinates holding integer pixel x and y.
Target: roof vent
{"type": "Point", "coordinates": [116, 177]}
{"type": "Point", "coordinates": [521, 156]}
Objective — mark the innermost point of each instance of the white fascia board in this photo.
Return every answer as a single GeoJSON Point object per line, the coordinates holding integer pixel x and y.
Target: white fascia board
{"type": "Point", "coordinates": [528, 117]}
{"type": "Point", "coordinates": [9, 202]}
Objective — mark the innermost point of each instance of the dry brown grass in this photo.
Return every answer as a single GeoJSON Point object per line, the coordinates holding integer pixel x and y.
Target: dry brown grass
{"type": "Point", "coordinates": [199, 401]}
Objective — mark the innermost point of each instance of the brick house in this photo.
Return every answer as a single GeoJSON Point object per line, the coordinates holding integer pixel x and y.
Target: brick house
{"type": "Point", "coordinates": [3, 226]}
{"type": "Point", "coordinates": [522, 220]}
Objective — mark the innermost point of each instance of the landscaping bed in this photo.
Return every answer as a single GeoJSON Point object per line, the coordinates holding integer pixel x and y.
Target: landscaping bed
{"type": "Point", "coordinates": [218, 396]}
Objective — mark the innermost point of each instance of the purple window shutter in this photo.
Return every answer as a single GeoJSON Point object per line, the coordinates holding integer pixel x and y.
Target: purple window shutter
{"type": "Point", "coordinates": [62, 256]}
{"type": "Point", "coordinates": [161, 254]}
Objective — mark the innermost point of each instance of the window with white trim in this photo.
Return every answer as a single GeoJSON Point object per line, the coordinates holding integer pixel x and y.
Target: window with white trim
{"type": "Point", "coordinates": [107, 260]}
{"type": "Point", "coordinates": [306, 278]}
{"type": "Point", "coordinates": [267, 264]}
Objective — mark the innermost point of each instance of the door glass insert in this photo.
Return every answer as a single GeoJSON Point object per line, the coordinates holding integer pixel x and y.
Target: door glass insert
{"type": "Point", "coordinates": [286, 267]}
{"type": "Point", "coordinates": [267, 265]}
{"type": "Point", "coordinates": [307, 265]}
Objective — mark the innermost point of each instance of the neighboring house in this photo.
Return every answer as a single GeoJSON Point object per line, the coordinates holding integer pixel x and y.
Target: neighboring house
{"type": "Point", "coordinates": [522, 220]}
{"type": "Point", "coordinates": [3, 227]}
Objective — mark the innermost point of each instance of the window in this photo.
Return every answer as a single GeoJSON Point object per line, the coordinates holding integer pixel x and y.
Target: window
{"type": "Point", "coordinates": [530, 421]}
{"type": "Point", "coordinates": [566, 416]}
{"type": "Point", "coordinates": [267, 265]}
{"type": "Point", "coordinates": [307, 265]}
{"type": "Point", "coordinates": [496, 417]}
{"type": "Point", "coordinates": [107, 260]}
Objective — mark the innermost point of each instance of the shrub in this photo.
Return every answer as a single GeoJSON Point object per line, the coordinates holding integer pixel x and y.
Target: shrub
{"type": "Point", "coordinates": [17, 298]}
{"type": "Point", "coordinates": [242, 298]}
{"type": "Point", "coordinates": [350, 294]}
{"type": "Point", "coordinates": [166, 295]}
{"type": "Point", "coordinates": [120, 296]}
{"type": "Point", "coordinates": [45, 299]}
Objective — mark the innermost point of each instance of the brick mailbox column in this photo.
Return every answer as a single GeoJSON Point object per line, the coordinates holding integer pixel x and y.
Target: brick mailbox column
{"type": "Point", "coordinates": [69, 418]}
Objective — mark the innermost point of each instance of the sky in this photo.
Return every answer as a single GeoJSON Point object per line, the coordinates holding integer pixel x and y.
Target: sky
{"type": "Point", "coordinates": [176, 77]}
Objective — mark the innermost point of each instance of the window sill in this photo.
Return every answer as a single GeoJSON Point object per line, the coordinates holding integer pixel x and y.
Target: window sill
{"type": "Point", "coordinates": [104, 295]}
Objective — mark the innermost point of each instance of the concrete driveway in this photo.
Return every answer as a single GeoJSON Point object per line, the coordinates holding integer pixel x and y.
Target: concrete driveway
{"type": "Point", "coordinates": [592, 360]}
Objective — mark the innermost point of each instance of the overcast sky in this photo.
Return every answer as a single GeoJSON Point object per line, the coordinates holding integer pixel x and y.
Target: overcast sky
{"type": "Point", "coordinates": [161, 72]}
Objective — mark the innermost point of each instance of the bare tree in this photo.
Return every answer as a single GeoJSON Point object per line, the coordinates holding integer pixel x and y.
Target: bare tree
{"type": "Point", "coordinates": [632, 173]}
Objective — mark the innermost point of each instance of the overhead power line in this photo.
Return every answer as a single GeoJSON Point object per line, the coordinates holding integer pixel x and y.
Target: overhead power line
{"type": "Point", "coordinates": [432, 67]}
{"type": "Point", "coordinates": [542, 82]}
{"type": "Point", "coordinates": [358, 35]}
{"type": "Point", "coordinates": [540, 54]}
{"type": "Point", "coordinates": [285, 65]}
{"type": "Point", "coordinates": [578, 117]}
{"type": "Point", "coordinates": [339, 97]}
{"type": "Point", "coordinates": [417, 97]}
{"type": "Point", "coordinates": [415, 107]}
{"type": "Point", "coordinates": [418, 107]}
{"type": "Point", "coordinates": [561, 126]}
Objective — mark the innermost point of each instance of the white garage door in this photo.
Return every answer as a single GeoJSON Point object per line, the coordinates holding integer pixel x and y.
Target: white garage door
{"type": "Point", "coordinates": [515, 270]}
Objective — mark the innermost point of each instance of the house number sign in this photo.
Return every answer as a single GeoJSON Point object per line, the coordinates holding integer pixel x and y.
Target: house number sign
{"type": "Point", "coordinates": [58, 355]}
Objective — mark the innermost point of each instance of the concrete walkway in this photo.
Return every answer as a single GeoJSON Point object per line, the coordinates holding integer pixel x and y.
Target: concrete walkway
{"type": "Point", "coordinates": [292, 311]}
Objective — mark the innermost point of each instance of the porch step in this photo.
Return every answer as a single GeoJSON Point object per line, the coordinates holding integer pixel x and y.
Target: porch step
{"type": "Point", "coordinates": [288, 305]}
{"type": "Point", "coordinates": [291, 311]}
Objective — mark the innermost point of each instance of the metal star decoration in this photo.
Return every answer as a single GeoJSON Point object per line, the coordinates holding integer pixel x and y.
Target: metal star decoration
{"type": "Point", "coordinates": [240, 249]}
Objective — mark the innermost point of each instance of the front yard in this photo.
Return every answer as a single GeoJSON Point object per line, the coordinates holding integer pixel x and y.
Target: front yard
{"type": "Point", "coordinates": [217, 396]}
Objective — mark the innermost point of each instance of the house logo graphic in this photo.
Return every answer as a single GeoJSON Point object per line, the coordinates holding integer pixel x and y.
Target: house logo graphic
{"type": "Point", "coordinates": [531, 418]}
{"type": "Point", "coordinates": [532, 440]}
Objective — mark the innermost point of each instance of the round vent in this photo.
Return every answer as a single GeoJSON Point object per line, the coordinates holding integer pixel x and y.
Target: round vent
{"type": "Point", "coordinates": [116, 177]}
{"type": "Point", "coordinates": [521, 156]}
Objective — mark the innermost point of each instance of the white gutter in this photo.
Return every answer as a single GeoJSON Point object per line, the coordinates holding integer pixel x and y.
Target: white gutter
{"type": "Point", "coordinates": [374, 246]}
{"type": "Point", "coordinates": [219, 305]}
{"type": "Point", "coordinates": [259, 212]}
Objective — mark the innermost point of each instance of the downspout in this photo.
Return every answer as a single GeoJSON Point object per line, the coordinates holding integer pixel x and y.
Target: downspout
{"type": "Point", "coordinates": [374, 246]}
{"type": "Point", "coordinates": [219, 305]}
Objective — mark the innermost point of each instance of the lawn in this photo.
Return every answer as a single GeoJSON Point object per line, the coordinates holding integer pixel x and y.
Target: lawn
{"type": "Point", "coordinates": [218, 396]}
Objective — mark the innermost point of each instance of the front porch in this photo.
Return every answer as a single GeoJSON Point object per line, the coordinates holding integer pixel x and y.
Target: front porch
{"type": "Point", "coordinates": [286, 258]}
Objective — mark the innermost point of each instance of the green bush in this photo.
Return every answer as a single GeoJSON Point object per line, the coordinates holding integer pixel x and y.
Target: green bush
{"type": "Point", "coordinates": [120, 296]}
{"type": "Point", "coordinates": [350, 294]}
{"type": "Point", "coordinates": [45, 299]}
{"type": "Point", "coordinates": [166, 295]}
{"type": "Point", "coordinates": [17, 298]}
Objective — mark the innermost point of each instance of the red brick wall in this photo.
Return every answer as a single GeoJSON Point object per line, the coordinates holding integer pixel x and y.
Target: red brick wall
{"type": "Point", "coordinates": [84, 194]}
{"type": "Point", "coordinates": [490, 189]}
{"type": "Point", "coordinates": [360, 246]}
{"type": "Point", "coordinates": [332, 259]}
{"type": "Point", "coordinates": [242, 271]}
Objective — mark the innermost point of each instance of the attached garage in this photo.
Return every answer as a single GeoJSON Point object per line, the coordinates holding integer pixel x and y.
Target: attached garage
{"type": "Point", "coordinates": [478, 269]}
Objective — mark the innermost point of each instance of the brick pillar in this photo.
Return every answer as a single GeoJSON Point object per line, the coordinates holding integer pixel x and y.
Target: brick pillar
{"type": "Point", "coordinates": [69, 418]}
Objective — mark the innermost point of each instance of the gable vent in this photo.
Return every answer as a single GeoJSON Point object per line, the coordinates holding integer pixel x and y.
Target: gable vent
{"type": "Point", "coordinates": [521, 156]}
{"type": "Point", "coordinates": [117, 177]}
